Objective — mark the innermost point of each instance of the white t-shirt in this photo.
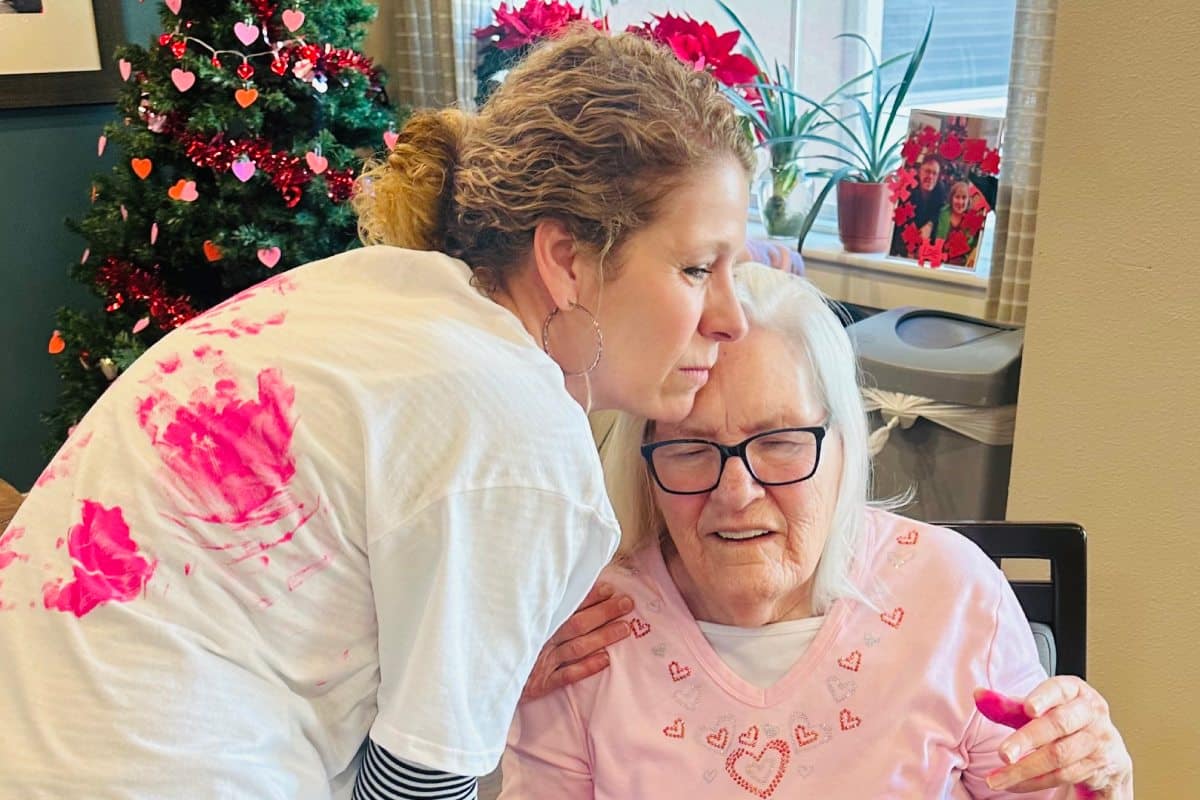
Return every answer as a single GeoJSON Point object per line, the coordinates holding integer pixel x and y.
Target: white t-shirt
{"type": "Point", "coordinates": [355, 497]}
{"type": "Point", "coordinates": [765, 654]}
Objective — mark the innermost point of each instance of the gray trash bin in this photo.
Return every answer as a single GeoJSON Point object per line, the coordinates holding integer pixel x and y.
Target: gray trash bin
{"type": "Point", "coordinates": [945, 388]}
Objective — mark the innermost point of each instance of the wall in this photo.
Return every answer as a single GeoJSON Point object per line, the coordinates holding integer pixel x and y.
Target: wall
{"type": "Point", "coordinates": [47, 158]}
{"type": "Point", "coordinates": [1107, 425]}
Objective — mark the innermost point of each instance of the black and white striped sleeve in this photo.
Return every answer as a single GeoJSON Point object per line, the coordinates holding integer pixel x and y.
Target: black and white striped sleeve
{"type": "Point", "coordinates": [382, 776]}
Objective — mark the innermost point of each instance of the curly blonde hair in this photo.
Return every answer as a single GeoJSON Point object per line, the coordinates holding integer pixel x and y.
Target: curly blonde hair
{"type": "Point", "coordinates": [590, 129]}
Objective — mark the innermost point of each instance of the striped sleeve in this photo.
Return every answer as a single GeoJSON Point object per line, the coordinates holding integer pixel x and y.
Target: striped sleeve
{"type": "Point", "coordinates": [382, 776]}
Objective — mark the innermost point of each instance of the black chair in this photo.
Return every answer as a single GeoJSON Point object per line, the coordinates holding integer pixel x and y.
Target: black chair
{"type": "Point", "coordinates": [1061, 603]}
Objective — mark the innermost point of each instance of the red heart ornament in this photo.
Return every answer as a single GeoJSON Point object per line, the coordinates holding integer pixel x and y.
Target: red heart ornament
{"type": "Point", "coordinates": [141, 167]}
{"type": "Point", "coordinates": [245, 71]}
{"type": "Point", "coordinates": [183, 190]}
{"type": "Point", "coordinates": [245, 97]}
{"type": "Point", "coordinates": [57, 344]}
{"type": "Point", "coordinates": [211, 251]}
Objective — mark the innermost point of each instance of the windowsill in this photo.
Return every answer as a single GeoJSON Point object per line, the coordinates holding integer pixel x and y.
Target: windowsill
{"type": "Point", "coordinates": [883, 282]}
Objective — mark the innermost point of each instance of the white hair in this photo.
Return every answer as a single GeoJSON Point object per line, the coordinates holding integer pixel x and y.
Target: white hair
{"type": "Point", "coordinates": [789, 305]}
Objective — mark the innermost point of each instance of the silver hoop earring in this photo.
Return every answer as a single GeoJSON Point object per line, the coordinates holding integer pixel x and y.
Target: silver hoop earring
{"type": "Point", "coordinates": [595, 329]}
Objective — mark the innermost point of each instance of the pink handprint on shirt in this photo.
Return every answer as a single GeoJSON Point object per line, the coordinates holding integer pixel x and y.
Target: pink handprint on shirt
{"type": "Point", "coordinates": [106, 564]}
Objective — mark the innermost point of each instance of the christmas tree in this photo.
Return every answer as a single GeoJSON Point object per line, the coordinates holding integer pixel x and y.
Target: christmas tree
{"type": "Point", "coordinates": [243, 128]}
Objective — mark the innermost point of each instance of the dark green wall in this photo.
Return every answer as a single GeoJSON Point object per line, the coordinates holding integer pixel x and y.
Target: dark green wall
{"type": "Point", "coordinates": [47, 158]}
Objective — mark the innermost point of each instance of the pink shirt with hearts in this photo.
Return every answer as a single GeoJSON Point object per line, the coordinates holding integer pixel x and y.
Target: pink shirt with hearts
{"type": "Point", "coordinates": [880, 705]}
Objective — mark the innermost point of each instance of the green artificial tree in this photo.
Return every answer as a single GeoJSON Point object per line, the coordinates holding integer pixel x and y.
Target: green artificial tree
{"type": "Point", "coordinates": [243, 127]}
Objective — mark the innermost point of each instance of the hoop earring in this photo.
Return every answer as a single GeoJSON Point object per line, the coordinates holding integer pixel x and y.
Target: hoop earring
{"type": "Point", "coordinates": [595, 329]}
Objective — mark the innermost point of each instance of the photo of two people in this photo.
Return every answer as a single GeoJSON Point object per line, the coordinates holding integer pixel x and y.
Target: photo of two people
{"type": "Point", "coordinates": [946, 188]}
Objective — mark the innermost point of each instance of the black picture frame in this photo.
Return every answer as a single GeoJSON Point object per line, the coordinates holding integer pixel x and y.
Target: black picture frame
{"type": "Point", "coordinates": [38, 90]}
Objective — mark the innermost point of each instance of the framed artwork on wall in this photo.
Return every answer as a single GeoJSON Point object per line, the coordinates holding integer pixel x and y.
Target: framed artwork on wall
{"type": "Point", "coordinates": [58, 52]}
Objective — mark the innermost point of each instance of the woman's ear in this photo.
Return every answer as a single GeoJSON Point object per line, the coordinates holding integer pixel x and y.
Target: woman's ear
{"type": "Point", "coordinates": [558, 262]}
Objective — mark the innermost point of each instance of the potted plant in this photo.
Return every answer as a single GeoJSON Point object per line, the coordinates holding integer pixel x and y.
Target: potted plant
{"type": "Point", "coordinates": [866, 149]}
{"type": "Point", "coordinates": [781, 119]}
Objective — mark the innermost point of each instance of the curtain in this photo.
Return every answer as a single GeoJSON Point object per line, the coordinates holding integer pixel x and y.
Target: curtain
{"type": "Point", "coordinates": [428, 50]}
{"type": "Point", "coordinates": [1021, 171]}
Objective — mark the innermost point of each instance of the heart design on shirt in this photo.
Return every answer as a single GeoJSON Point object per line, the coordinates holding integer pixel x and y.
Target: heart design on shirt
{"type": "Point", "coordinates": [840, 689]}
{"type": "Point", "coordinates": [805, 770]}
{"type": "Point", "coordinates": [908, 538]}
{"type": "Point", "coordinates": [688, 698]}
{"type": "Point", "coordinates": [848, 721]}
{"type": "Point", "coordinates": [710, 775]}
{"type": "Point", "coordinates": [718, 739]}
{"type": "Point", "coordinates": [770, 731]}
{"type": "Point", "coordinates": [870, 641]}
{"type": "Point", "coordinates": [659, 650]}
{"type": "Point", "coordinates": [893, 617]}
{"type": "Point", "coordinates": [639, 628]}
{"type": "Point", "coordinates": [852, 661]}
{"type": "Point", "coordinates": [678, 671]}
{"type": "Point", "coordinates": [749, 737]}
{"type": "Point", "coordinates": [759, 773]}
{"type": "Point", "coordinates": [805, 736]}
{"type": "Point", "coordinates": [899, 561]}
{"type": "Point", "coordinates": [675, 729]}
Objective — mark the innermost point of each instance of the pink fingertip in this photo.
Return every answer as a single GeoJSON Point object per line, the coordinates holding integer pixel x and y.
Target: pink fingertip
{"type": "Point", "coordinates": [1001, 708]}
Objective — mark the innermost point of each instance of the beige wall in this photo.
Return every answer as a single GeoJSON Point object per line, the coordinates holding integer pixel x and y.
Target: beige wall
{"type": "Point", "coordinates": [1108, 427]}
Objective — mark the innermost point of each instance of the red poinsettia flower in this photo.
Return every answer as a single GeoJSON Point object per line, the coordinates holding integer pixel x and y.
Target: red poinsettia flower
{"type": "Point", "coordinates": [951, 148]}
{"type": "Point", "coordinates": [912, 237]}
{"type": "Point", "coordinates": [933, 252]}
{"type": "Point", "coordinates": [929, 137]}
{"type": "Point", "coordinates": [957, 244]}
{"type": "Point", "coordinates": [904, 212]}
{"type": "Point", "coordinates": [972, 221]}
{"type": "Point", "coordinates": [911, 151]}
{"type": "Point", "coordinates": [533, 21]}
{"type": "Point", "coordinates": [699, 44]}
{"type": "Point", "coordinates": [990, 163]}
{"type": "Point", "coordinates": [973, 150]}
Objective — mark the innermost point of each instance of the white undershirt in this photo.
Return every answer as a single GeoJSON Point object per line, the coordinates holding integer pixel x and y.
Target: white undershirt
{"type": "Point", "coordinates": [762, 655]}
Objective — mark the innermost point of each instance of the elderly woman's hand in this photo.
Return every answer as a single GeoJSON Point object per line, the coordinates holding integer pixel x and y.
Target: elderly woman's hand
{"type": "Point", "coordinates": [1064, 736]}
{"type": "Point", "coordinates": [576, 650]}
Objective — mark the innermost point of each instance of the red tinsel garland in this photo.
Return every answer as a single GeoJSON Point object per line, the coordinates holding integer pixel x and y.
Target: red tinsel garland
{"type": "Point", "coordinates": [123, 282]}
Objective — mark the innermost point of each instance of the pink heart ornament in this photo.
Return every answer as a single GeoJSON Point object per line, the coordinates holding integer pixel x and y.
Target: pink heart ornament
{"type": "Point", "coordinates": [390, 138]}
{"type": "Point", "coordinates": [293, 19]}
{"type": "Point", "coordinates": [141, 325]}
{"type": "Point", "coordinates": [182, 79]}
{"type": "Point", "coordinates": [174, 5]}
{"type": "Point", "coordinates": [125, 68]}
{"type": "Point", "coordinates": [244, 170]}
{"type": "Point", "coordinates": [317, 163]}
{"type": "Point", "coordinates": [246, 34]}
{"type": "Point", "coordinates": [269, 256]}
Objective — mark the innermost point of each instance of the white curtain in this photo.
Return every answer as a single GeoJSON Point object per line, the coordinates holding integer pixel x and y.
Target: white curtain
{"type": "Point", "coordinates": [1021, 170]}
{"type": "Point", "coordinates": [428, 50]}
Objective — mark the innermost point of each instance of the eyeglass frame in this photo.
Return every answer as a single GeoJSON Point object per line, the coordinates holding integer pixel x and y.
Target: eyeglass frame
{"type": "Point", "coordinates": [729, 451]}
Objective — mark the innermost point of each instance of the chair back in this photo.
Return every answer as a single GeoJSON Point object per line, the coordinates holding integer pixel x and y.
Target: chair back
{"type": "Point", "coordinates": [1060, 603]}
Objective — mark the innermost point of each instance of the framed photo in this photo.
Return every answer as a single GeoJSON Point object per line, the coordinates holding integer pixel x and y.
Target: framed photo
{"type": "Point", "coordinates": [945, 190]}
{"type": "Point", "coordinates": [58, 52]}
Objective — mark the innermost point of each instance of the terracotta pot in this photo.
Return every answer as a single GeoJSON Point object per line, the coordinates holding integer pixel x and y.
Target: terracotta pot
{"type": "Point", "coordinates": [864, 217]}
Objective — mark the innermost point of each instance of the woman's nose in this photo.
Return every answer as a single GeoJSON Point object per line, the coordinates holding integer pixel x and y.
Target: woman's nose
{"type": "Point", "coordinates": [737, 486]}
{"type": "Point", "coordinates": [723, 319]}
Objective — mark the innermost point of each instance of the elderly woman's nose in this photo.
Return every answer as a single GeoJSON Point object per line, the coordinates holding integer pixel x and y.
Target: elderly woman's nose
{"type": "Point", "coordinates": [737, 486]}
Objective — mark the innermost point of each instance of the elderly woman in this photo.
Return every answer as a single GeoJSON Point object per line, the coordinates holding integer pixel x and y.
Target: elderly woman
{"type": "Point", "coordinates": [790, 640]}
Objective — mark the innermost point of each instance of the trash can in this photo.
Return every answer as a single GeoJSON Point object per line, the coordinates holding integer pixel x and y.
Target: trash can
{"type": "Point", "coordinates": [941, 392]}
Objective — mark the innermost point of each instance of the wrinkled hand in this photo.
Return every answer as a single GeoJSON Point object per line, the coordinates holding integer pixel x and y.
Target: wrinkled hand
{"type": "Point", "coordinates": [576, 650]}
{"type": "Point", "coordinates": [1064, 736]}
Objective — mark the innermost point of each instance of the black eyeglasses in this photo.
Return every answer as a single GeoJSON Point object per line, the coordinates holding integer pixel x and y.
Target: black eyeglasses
{"type": "Point", "coordinates": [773, 458]}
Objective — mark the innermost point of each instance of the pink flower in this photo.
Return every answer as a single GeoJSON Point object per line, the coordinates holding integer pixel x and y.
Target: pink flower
{"type": "Point", "coordinates": [535, 20]}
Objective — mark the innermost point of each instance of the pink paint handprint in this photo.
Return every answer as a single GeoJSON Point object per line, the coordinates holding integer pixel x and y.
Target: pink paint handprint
{"type": "Point", "coordinates": [229, 455]}
{"type": "Point", "coordinates": [106, 564]}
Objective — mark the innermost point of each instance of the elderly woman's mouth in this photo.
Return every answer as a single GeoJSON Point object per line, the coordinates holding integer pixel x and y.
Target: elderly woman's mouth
{"type": "Point", "coordinates": [742, 536]}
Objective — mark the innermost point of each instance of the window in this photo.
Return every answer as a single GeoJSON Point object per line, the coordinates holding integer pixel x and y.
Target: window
{"type": "Point", "coordinates": [966, 62]}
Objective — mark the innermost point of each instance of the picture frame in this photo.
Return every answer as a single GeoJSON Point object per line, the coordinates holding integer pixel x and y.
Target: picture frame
{"type": "Point", "coordinates": [85, 33]}
{"type": "Point", "coordinates": [946, 187]}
